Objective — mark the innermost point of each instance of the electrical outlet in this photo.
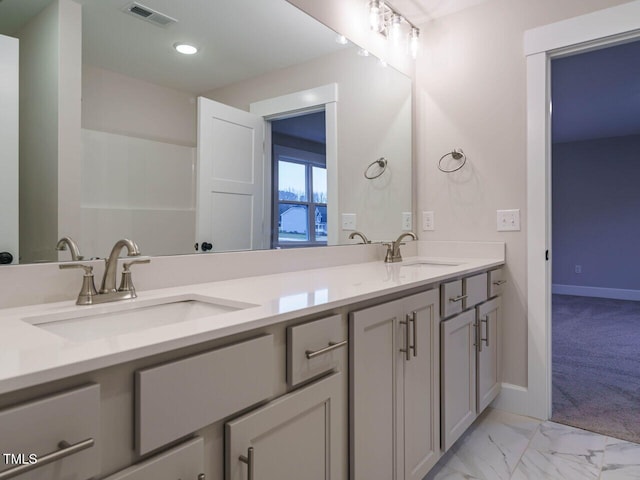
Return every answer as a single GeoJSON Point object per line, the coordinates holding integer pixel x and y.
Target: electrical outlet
{"type": "Point", "coordinates": [578, 269]}
{"type": "Point", "coordinates": [349, 221]}
{"type": "Point", "coordinates": [428, 221]}
{"type": "Point", "coordinates": [407, 221]}
{"type": "Point", "coordinates": [508, 220]}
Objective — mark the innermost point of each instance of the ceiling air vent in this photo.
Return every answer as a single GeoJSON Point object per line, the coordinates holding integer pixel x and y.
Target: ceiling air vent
{"type": "Point", "coordinates": [148, 14]}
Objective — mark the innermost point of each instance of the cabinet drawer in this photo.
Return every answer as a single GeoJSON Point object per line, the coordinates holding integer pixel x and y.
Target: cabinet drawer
{"type": "Point", "coordinates": [496, 282]}
{"type": "Point", "coordinates": [178, 398]}
{"type": "Point", "coordinates": [451, 298]}
{"type": "Point", "coordinates": [38, 427]}
{"type": "Point", "coordinates": [185, 461]}
{"type": "Point", "coordinates": [324, 340]}
{"type": "Point", "coordinates": [475, 290]}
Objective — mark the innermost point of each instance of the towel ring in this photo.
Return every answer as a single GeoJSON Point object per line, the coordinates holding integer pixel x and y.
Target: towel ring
{"type": "Point", "coordinates": [381, 162]}
{"type": "Point", "coordinates": [456, 154]}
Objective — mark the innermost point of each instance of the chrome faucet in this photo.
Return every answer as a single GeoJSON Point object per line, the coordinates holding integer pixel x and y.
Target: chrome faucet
{"type": "Point", "coordinates": [393, 249]}
{"type": "Point", "coordinates": [111, 263]}
{"type": "Point", "coordinates": [108, 293]}
{"type": "Point", "coordinates": [361, 235]}
{"type": "Point", "coordinates": [68, 242]}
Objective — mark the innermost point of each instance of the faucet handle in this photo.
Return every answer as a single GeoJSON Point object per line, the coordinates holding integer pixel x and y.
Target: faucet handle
{"type": "Point", "coordinates": [126, 284]}
{"type": "Point", "coordinates": [88, 289]}
{"type": "Point", "coordinates": [127, 265]}
{"type": "Point", "coordinates": [88, 269]}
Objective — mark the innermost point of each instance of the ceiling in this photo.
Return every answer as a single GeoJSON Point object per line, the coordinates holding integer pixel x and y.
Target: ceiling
{"type": "Point", "coordinates": [238, 39]}
{"type": "Point", "coordinates": [420, 11]}
{"type": "Point", "coordinates": [596, 94]}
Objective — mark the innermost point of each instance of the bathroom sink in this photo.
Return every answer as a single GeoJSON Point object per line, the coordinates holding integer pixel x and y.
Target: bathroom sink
{"type": "Point", "coordinates": [429, 264]}
{"type": "Point", "coordinates": [116, 319]}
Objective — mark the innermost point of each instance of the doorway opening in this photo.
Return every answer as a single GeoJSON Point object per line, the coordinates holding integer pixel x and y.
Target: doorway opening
{"type": "Point", "coordinates": [299, 180]}
{"type": "Point", "coordinates": [595, 170]}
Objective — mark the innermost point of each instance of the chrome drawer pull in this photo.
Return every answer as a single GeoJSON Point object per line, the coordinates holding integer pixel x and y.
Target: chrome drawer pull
{"type": "Point", "coordinates": [497, 283]}
{"type": "Point", "coordinates": [249, 461]}
{"type": "Point", "coordinates": [332, 346]}
{"type": "Point", "coordinates": [458, 298]}
{"type": "Point", "coordinates": [65, 450]}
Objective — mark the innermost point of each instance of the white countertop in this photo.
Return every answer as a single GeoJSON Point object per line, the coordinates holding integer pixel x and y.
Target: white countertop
{"type": "Point", "coordinates": [30, 355]}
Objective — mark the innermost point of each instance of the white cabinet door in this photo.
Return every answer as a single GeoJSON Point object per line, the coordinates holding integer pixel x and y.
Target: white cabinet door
{"type": "Point", "coordinates": [395, 388]}
{"type": "Point", "coordinates": [489, 364]}
{"type": "Point", "coordinates": [421, 386]}
{"type": "Point", "coordinates": [458, 376]}
{"type": "Point", "coordinates": [294, 436]}
{"type": "Point", "coordinates": [376, 368]}
{"type": "Point", "coordinates": [230, 202]}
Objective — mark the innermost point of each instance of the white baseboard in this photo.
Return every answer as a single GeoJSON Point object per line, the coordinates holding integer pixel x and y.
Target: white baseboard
{"type": "Point", "coordinates": [513, 399]}
{"type": "Point", "coordinates": [580, 291]}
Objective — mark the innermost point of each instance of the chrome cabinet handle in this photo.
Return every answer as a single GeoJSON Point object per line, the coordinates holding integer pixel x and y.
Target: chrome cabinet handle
{"type": "Point", "coordinates": [201, 476]}
{"type": "Point", "coordinates": [407, 338]}
{"type": "Point", "coordinates": [415, 333]}
{"type": "Point", "coordinates": [497, 283]}
{"type": "Point", "coordinates": [477, 341]}
{"type": "Point", "coordinates": [485, 320]}
{"type": "Point", "coordinates": [458, 298]}
{"type": "Point", "coordinates": [249, 461]}
{"type": "Point", "coordinates": [332, 346]}
{"type": "Point", "coordinates": [66, 449]}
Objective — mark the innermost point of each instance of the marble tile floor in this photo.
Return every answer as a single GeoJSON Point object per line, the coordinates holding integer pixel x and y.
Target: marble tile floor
{"type": "Point", "coordinates": [503, 446]}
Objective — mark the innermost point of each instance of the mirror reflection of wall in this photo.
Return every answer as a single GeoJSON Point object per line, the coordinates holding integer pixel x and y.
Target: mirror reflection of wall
{"type": "Point", "coordinates": [108, 123]}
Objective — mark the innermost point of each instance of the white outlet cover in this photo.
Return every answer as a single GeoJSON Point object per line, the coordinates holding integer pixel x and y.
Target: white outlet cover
{"type": "Point", "coordinates": [428, 221]}
{"type": "Point", "coordinates": [349, 221]}
{"type": "Point", "coordinates": [508, 220]}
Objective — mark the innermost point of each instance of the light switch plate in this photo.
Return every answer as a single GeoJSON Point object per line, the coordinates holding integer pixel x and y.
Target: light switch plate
{"type": "Point", "coordinates": [407, 221]}
{"type": "Point", "coordinates": [508, 220]}
{"type": "Point", "coordinates": [428, 221]}
{"type": "Point", "coordinates": [349, 221]}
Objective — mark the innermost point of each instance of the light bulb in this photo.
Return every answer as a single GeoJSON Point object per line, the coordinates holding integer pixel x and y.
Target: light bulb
{"type": "Point", "coordinates": [395, 31]}
{"type": "Point", "coordinates": [185, 48]}
{"type": "Point", "coordinates": [376, 10]}
{"type": "Point", "coordinates": [414, 37]}
{"type": "Point", "coordinates": [342, 40]}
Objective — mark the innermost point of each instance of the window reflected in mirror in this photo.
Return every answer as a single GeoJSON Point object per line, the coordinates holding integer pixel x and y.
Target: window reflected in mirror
{"type": "Point", "coordinates": [300, 177]}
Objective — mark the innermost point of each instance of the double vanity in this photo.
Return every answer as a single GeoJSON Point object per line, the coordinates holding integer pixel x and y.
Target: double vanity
{"type": "Point", "coordinates": [363, 371]}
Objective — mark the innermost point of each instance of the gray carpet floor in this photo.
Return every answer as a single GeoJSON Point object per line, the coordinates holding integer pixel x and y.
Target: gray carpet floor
{"type": "Point", "coordinates": [596, 365]}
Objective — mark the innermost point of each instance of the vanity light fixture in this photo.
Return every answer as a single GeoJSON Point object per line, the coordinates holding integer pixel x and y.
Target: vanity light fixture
{"type": "Point", "coordinates": [414, 39]}
{"type": "Point", "coordinates": [185, 48]}
{"type": "Point", "coordinates": [387, 21]}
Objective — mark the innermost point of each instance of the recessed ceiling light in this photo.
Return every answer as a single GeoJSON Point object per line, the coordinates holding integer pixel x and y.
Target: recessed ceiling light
{"type": "Point", "coordinates": [185, 48]}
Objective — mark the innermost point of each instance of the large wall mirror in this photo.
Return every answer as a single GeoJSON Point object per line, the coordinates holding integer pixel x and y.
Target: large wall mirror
{"type": "Point", "coordinates": [259, 140]}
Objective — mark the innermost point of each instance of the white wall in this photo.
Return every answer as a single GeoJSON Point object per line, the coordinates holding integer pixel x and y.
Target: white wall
{"type": "Point", "coordinates": [374, 120]}
{"type": "Point", "coordinates": [69, 99]}
{"type": "Point", "coordinates": [136, 188]}
{"type": "Point", "coordinates": [39, 66]}
{"type": "Point", "coordinates": [9, 88]}
{"type": "Point", "coordinates": [139, 139]}
{"type": "Point", "coordinates": [50, 59]}
{"type": "Point", "coordinates": [471, 90]}
{"type": "Point", "coordinates": [116, 103]}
